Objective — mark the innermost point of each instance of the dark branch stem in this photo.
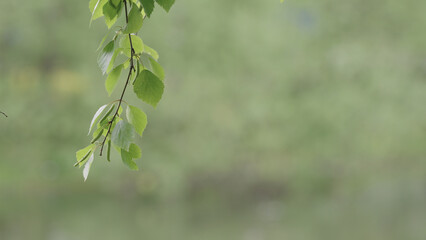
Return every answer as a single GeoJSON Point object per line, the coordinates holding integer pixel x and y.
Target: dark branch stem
{"type": "Point", "coordinates": [132, 68]}
{"type": "Point", "coordinates": [3, 113]}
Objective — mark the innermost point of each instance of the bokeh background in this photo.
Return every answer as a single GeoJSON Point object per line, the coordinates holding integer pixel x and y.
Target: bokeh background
{"type": "Point", "coordinates": [302, 120]}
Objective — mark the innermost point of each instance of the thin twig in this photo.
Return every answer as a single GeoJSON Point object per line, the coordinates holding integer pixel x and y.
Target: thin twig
{"type": "Point", "coordinates": [132, 68]}
{"type": "Point", "coordinates": [3, 113]}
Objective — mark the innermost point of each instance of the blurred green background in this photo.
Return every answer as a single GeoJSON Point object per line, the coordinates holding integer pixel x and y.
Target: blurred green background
{"type": "Point", "coordinates": [302, 120]}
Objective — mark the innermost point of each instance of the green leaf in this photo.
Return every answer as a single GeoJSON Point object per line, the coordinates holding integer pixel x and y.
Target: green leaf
{"type": "Point", "coordinates": [166, 4]}
{"type": "Point", "coordinates": [96, 117]}
{"type": "Point", "coordinates": [126, 64]}
{"type": "Point", "coordinates": [82, 154]}
{"type": "Point", "coordinates": [92, 5]}
{"type": "Point", "coordinates": [97, 131]}
{"type": "Point", "coordinates": [148, 6]}
{"type": "Point", "coordinates": [86, 169]}
{"type": "Point", "coordinates": [96, 8]}
{"type": "Point", "coordinates": [105, 57]}
{"type": "Point", "coordinates": [112, 79]}
{"type": "Point", "coordinates": [110, 13]}
{"type": "Point", "coordinates": [150, 51]}
{"type": "Point", "coordinates": [127, 159]}
{"type": "Point", "coordinates": [98, 135]}
{"type": "Point", "coordinates": [137, 44]}
{"type": "Point", "coordinates": [157, 69]}
{"type": "Point", "coordinates": [103, 120]}
{"type": "Point", "coordinates": [135, 20]}
{"type": "Point", "coordinates": [135, 151]}
{"type": "Point", "coordinates": [149, 88]}
{"type": "Point", "coordinates": [120, 110]}
{"type": "Point", "coordinates": [137, 118]}
{"type": "Point", "coordinates": [116, 3]}
{"type": "Point", "coordinates": [123, 135]}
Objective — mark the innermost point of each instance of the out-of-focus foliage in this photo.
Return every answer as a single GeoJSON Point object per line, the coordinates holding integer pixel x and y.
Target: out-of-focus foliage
{"type": "Point", "coordinates": [302, 120]}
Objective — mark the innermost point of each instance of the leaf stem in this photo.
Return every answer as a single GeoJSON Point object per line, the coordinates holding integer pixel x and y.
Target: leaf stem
{"type": "Point", "coordinates": [132, 67]}
{"type": "Point", "coordinates": [117, 101]}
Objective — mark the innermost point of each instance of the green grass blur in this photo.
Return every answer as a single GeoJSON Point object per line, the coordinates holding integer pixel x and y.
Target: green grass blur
{"type": "Point", "coordinates": [303, 120]}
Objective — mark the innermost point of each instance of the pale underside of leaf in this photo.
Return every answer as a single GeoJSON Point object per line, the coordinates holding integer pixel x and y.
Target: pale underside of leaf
{"type": "Point", "coordinates": [123, 135]}
{"type": "Point", "coordinates": [106, 56]}
{"type": "Point", "coordinates": [96, 117]}
{"type": "Point", "coordinates": [97, 11]}
{"type": "Point", "coordinates": [87, 166]}
{"type": "Point", "coordinates": [137, 118]}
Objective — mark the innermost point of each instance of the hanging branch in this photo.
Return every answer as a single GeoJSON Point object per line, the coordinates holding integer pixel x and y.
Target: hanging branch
{"type": "Point", "coordinates": [119, 130]}
{"type": "Point", "coordinates": [132, 68]}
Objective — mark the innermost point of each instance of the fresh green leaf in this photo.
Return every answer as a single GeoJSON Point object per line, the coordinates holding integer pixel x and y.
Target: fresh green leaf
{"type": "Point", "coordinates": [98, 135]}
{"type": "Point", "coordinates": [111, 13]}
{"type": "Point", "coordinates": [148, 6]}
{"type": "Point", "coordinates": [96, 117]}
{"type": "Point", "coordinates": [126, 64]}
{"type": "Point", "coordinates": [82, 154]}
{"type": "Point", "coordinates": [137, 44]}
{"type": "Point", "coordinates": [105, 56]}
{"type": "Point", "coordinates": [86, 169]}
{"type": "Point", "coordinates": [120, 110]}
{"type": "Point", "coordinates": [135, 151]}
{"type": "Point", "coordinates": [123, 135]}
{"type": "Point", "coordinates": [112, 79]}
{"type": "Point", "coordinates": [116, 3]}
{"type": "Point", "coordinates": [157, 69]}
{"type": "Point", "coordinates": [92, 5]}
{"type": "Point", "coordinates": [166, 4]}
{"type": "Point", "coordinates": [150, 51]}
{"type": "Point", "coordinates": [97, 9]}
{"type": "Point", "coordinates": [104, 122]}
{"type": "Point", "coordinates": [97, 132]}
{"type": "Point", "coordinates": [127, 159]}
{"type": "Point", "coordinates": [135, 20]}
{"type": "Point", "coordinates": [149, 88]}
{"type": "Point", "coordinates": [137, 118]}
{"type": "Point", "coordinates": [107, 114]}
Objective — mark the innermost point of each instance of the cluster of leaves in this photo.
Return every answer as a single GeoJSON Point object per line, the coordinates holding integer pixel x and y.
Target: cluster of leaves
{"type": "Point", "coordinates": [126, 50]}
